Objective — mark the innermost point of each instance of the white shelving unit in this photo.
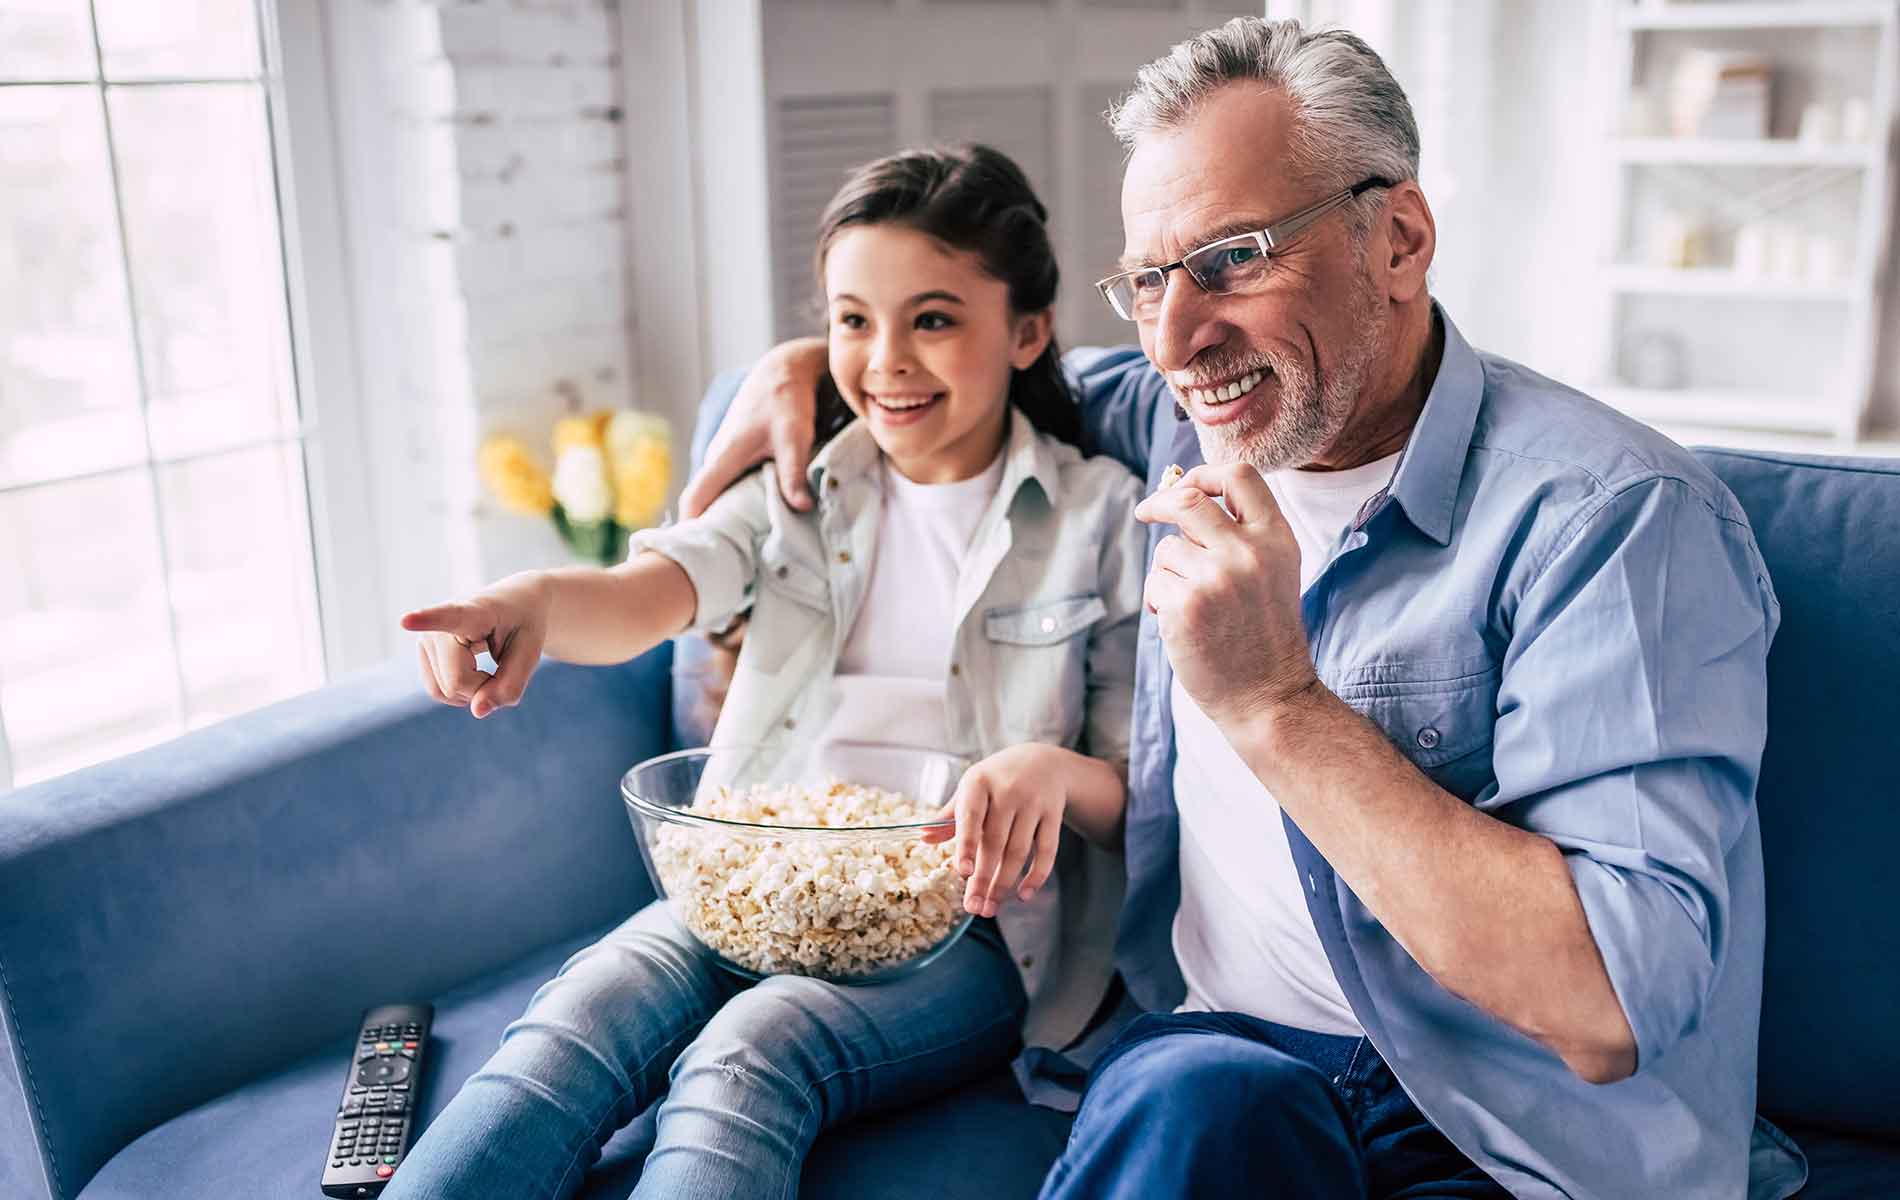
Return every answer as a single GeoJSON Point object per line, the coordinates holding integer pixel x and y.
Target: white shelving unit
{"type": "Point", "coordinates": [1752, 351]}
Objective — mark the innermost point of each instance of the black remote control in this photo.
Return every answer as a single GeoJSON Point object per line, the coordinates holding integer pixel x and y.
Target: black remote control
{"type": "Point", "coordinates": [376, 1120]}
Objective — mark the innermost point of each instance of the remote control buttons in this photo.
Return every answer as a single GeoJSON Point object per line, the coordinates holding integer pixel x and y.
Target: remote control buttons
{"type": "Point", "coordinates": [384, 1071]}
{"type": "Point", "coordinates": [385, 1171]}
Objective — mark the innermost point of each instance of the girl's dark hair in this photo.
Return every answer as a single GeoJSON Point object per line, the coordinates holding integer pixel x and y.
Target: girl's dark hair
{"type": "Point", "coordinates": [971, 198]}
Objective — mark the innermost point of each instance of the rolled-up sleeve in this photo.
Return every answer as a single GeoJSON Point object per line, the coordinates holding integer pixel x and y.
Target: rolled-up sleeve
{"type": "Point", "coordinates": [1632, 711]}
{"type": "Point", "coordinates": [718, 550]}
{"type": "Point", "coordinates": [1111, 655]}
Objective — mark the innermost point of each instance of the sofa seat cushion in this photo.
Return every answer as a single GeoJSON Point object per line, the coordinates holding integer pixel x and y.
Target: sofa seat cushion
{"type": "Point", "coordinates": [1847, 1168]}
{"type": "Point", "coordinates": [268, 1138]}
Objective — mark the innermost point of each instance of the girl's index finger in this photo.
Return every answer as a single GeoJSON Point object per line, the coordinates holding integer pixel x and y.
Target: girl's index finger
{"type": "Point", "coordinates": [457, 619]}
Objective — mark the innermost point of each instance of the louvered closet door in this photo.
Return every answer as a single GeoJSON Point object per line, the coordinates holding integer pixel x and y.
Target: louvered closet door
{"type": "Point", "coordinates": [849, 80]}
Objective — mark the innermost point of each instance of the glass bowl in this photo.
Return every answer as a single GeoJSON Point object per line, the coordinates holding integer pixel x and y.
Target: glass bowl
{"type": "Point", "coordinates": [850, 903]}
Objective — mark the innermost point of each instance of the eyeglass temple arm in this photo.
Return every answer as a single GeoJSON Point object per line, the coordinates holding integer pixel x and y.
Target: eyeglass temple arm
{"type": "Point", "coordinates": [1276, 234]}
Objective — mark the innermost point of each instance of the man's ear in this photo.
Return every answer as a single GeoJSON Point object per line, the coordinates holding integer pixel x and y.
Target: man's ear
{"type": "Point", "coordinates": [1410, 238]}
{"type": "Point", "coordinates": [1033, 331]}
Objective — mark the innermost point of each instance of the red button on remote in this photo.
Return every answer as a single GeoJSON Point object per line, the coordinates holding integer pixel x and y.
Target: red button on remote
{"type": "Point", "coordinates": [408, 1045]}
{"type": "Point", "coordinates": [385, 1172]}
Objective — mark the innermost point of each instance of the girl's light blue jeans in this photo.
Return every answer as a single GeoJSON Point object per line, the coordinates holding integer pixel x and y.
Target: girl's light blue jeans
{"type": "Point", "coordinates": [747, 1074]}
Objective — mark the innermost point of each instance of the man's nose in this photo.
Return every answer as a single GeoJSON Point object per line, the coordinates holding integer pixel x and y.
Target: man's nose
{"type": "Point", "coordinates": [1184, 324]}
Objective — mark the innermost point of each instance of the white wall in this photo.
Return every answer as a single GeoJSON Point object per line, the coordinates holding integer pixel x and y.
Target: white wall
{"type": "Point", "coordinates": [1517, 267]}
{"type": "Point", "coordinates": [480, 147]}
{"type": "Point", "coordinates": [490, 239]}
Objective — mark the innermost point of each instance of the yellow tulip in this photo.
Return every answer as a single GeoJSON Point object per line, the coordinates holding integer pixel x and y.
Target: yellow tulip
{"type": "Point", "coordinates": [640, 459]}
{"type": "Point", "coordinates": [587, 429]}
{"type": "Point", "coordinates": [516, 479]}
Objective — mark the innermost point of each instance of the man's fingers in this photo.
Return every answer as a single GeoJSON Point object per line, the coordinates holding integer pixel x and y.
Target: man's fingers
{"type": "Point", "coordinates": [791, 450]}
{"type": "Point", "coordinates": [1191, 510]}
{"type": "Point", "coordinates": [1178, 556]}
{"type": "Point", "coordinates": [513, 667]}
{"type": "Point", "coordinates": [726, 460]}
{"type": "Point", "coordinates": [1162, 593]}
{"type": "Point", "coordinates": [1240, 485]}
{"type": "Point", "coordinates": [1048, 841]}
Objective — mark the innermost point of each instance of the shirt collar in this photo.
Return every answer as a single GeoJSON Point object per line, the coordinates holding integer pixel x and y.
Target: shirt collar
{"type": "Point", "coordinates": [1426, 483]}
{"type": "Point", "coordinates": [853, 455]}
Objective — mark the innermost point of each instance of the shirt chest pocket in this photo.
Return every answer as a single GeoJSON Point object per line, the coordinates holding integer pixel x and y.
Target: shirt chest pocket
{"type": "Point", "coordinates": [791, 606]}
{"type": "Point", "coordinates": [1440, 715]}
{"type": "Point", "coordinates": [1040, 655]}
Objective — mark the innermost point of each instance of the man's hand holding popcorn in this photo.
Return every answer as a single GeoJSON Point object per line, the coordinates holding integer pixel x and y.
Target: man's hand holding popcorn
{"type": "Point", "coordinates": [1225, 591]}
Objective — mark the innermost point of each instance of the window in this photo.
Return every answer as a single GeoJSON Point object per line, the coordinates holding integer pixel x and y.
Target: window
{"type": "Point", "coordinates": [157, 564]}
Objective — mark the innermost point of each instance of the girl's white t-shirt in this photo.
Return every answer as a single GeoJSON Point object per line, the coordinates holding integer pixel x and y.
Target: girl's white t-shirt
{"type": "Point", "coordinates": [1243, 935]}
{"type": "Point", "coordinates": [891, 672]}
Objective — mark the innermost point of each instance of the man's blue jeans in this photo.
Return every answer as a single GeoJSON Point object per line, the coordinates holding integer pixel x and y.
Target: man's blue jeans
{"type": "Point", "coordinates": [1221, 1104]}
{"type": "Point", "coordinates": [747, 1075]}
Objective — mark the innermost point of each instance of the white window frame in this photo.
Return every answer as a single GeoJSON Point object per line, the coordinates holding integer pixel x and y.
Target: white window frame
{"type": "Point", "coordinates": [295, 83]}
{"type": "Point", "coordinates": [351, 593]}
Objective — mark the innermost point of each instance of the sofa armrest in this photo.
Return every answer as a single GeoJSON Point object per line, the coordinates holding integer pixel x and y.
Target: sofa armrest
{"type": "Point", "coordinates": [177, 922]}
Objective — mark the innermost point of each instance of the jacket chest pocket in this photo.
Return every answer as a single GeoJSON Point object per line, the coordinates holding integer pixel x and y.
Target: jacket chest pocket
{"type": "Point", "coordinates": [1440, 715]}
{"type": "Point", "coordinates": [1040, 653]}
{"type": "Point", "coordinates": [791, 605]}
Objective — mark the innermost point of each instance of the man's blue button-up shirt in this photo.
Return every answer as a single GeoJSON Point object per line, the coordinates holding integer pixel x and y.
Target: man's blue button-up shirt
{"type": "Point", "coordinates": [1561, 617]}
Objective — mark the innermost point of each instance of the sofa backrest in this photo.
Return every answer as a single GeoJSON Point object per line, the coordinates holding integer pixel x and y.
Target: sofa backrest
{"type": "Point", "coordinates": [177, 922]}
{"type": "Point", "coordinates": [693, 714]}
{"type": "Point", "coordinates": [1829, 529]}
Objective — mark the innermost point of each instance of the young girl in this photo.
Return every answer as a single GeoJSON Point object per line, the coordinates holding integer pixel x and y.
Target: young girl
{"type": "Point", "coordinates": [968, 583]}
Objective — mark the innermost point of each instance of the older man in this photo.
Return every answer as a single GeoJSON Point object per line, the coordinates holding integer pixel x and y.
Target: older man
{"type": "Point", "coordinates": [1444, 870]}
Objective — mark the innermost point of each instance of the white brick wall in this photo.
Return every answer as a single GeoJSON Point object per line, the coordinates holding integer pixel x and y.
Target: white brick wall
{"type": "Point", "coordinates": [489, 234]}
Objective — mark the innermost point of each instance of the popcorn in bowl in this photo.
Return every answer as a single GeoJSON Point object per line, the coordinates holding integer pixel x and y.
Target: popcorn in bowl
{"type": "Point", "coordinates": [830, 879]}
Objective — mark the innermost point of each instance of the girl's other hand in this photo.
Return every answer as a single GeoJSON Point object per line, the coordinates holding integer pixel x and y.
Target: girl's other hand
{"type": "Point", "coordinates": [1008, 811]}
{"type": "Point", "coordinates": [508, 620]}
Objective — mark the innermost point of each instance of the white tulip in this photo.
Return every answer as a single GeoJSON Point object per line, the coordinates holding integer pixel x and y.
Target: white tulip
{"type": "Point", "coordinates": [580, 484]}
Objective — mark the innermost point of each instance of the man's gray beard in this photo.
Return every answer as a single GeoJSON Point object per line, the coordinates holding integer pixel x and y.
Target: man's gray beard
{"type": "Point", "coordinates": [1308, 417]}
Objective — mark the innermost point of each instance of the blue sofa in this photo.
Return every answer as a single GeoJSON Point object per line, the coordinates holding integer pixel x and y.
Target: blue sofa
{"type": "Point", "coordinates": [188, 935]}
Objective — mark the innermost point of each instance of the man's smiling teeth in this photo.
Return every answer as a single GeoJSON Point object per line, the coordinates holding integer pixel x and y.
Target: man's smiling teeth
{"type": "Point", "coordinates": [900, 403]}
{"type": "Point", "coordinates": [1233, 391]}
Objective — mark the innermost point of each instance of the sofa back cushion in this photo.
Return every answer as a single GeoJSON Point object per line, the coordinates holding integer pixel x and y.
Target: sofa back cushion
{"type": "Point", "coordinates": [694, 710]}
{"type": "Point", "coordinates": [174, 923]}
{"type": "Point", "coordinates": [1829, 799]}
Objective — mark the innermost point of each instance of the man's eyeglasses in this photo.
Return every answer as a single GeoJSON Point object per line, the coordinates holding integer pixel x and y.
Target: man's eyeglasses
{"type": "Point", "coordinates": [1234, 264]}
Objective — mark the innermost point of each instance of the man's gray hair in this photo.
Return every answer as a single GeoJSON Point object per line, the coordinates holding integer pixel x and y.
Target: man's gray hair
{"type": "Point", "coordinates": [1351, 118]}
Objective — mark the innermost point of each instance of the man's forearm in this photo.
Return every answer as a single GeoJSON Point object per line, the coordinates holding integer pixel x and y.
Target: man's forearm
{"type": "Point", "coordinates": [598, 616]}
{"type": "Point", "coordinates": [1488, 910]}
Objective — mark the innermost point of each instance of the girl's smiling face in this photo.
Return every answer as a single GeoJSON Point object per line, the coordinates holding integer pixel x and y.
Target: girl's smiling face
{"type": "Point", "coordinates": [922, 343]}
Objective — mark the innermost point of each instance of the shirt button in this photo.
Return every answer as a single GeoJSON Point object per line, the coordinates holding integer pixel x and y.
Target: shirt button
{"type": "Point", "coordinates": [781, 571]}
{"type": "Point", "coordinates": [1028, 960]}
{"type": "Point", "coordinates": [1428, 738]}
{"type": "Point", "coordinates": [1048, 624]}
{"type": "Point", "coordinates": [844, 556]}
{"type": "Point", "coordinates": [789, 723]}
{"type": "Point", "coordinates": [955, 669]}
{"type": "Point", "coordinates": [831, 484]}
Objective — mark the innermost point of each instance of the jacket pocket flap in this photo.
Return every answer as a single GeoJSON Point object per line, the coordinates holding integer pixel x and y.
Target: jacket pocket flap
{"type": "Point", "coordinates": [1044, 624]}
